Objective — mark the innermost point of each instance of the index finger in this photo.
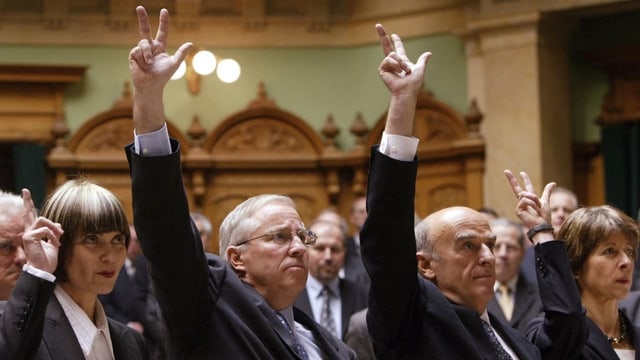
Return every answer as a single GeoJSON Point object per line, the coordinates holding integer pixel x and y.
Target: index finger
{"type": "Point", "coordinates": [387, 47]}
{"type": "Point", "coordinates": [527, 182]}
{"type": "Point", "coordinates": [398, 45]}
{"type": "Point", "coordinates": [143, 22]}
{"type": "Point", "coordinates": [163, 28]}
{"type": "Point", "coordinates": [29, 215]}
{"type": "Point", "coordinates": [513, 181]}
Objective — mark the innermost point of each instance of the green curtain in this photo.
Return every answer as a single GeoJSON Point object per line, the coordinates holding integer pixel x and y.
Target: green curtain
{"type": "Point", "coordinates": [621, 152]}
{"type": "Point", "coordinates": [29, 170]}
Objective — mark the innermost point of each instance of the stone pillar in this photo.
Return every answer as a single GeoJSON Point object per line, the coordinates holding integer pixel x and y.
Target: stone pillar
{"type": "Point", "coordinates": [517, 69]}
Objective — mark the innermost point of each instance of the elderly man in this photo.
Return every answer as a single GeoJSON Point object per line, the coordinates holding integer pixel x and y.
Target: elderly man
{"type": "Point", "coordinates": [328, 299]}
{"type": "Point", "coordinates": [441, 312]}
{"type": "Point", "coordinates": [11, 253]}
{"type": "Point", "coordinates": [516, 299]}
{"type": "Point", "coordinates": [236, 307]}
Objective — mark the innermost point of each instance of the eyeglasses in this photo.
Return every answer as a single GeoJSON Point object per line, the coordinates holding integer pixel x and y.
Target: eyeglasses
{"type": "Point", "coordinates": [285, 236]}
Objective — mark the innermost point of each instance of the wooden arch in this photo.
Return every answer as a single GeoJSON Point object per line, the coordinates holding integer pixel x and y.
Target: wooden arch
{"type": "Point", "coordinates": [96, 150]}
{"type": "Point", "coordinates": [265, 149]}
{"type": "Point", "coordinates": [450, 154]}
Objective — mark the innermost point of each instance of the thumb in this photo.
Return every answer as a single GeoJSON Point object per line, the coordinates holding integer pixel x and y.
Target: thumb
{"type": "Point", "coordinates": [182, 51]}
{"type": "Point", "coordinates": [424, 59]}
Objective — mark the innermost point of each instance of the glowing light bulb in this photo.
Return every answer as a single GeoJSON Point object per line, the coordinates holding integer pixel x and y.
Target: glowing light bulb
{"type": "Point", "coordinates": [204, 62]}
{"type": "Point", "coordinates": [228, 70]}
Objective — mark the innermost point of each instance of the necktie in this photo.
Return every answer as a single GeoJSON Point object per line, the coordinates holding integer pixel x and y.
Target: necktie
{"type": "Point", "coordinates": [297, 347]}
{"type": "Point", "coordinates": [498, 350]}
{"type": "Point", "coordinates": [506, 301]}
{"type": "Point", "coordinates": [326, 317]}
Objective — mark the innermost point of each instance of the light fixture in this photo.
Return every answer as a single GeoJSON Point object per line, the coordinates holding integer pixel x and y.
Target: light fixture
{"type": "Point", "coordinates": [203, 62]}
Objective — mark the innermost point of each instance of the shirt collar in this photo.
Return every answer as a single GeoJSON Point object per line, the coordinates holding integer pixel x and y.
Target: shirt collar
{"type": "Point", "coordinates": [83, 327]}
{"type": "Point", "coordinates": [314, 287]}
{"type": "Point", "coordinates": [511, 283]}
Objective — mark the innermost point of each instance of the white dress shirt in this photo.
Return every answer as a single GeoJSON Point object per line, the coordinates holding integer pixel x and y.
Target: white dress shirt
{"type": "Point", "coordinates": [94, 339]}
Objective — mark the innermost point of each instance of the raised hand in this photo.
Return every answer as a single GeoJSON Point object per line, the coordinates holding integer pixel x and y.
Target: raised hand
{"type": "Point", "coordinates": [399, 74]}
{"type": "Point", "coordinates": [41, 237]}
{"type": "Point", "coordinates": [150, 67]}
{"type": "Point", "coordinates": [531, 209]}
{"type": "Point", "coordinates": [403, 79]}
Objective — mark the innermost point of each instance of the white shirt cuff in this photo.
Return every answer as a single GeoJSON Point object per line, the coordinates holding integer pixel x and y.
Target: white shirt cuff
{"type": "Point", "coordinates": [155, 143]}
{"type": "Point", "coordinates": [44, 275]}
{"type": "Point", "coordinates": [398, 147]}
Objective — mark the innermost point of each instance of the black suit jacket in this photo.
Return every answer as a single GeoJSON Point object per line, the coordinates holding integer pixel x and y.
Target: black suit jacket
{"type": "Point", "coordinates": [353, 298]}
{"type": "Point", "coordinates": [358, 338]}
{"type": "Point", "coordinates": [35, 327]}
{"type": "Point", "coordinates": [353, 266]}
{"type": "Point", "coordinates": [408, 316]}
{"type": "Point", "coordinates": [527, 305]}
{"type": "Point", "coordinates": [209, 312]}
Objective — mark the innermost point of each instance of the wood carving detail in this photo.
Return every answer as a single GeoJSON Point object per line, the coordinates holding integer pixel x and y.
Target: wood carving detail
{"type": "Point", "coordinates": [447, 195]}
{"type": "Point", "coordinates": [112, 137]}
{"type": "Point", "coordinates": [261, 136]}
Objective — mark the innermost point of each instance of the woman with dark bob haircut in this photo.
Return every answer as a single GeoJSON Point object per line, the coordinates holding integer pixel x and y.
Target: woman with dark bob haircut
{"type": "Point", "coordinates": [74, 252]}
{"type": "Point", "coordinates": [600, 244]}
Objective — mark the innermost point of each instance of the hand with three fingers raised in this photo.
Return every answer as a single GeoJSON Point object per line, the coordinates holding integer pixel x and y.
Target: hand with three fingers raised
{"type": "Point", "coordinates": [533, 211]}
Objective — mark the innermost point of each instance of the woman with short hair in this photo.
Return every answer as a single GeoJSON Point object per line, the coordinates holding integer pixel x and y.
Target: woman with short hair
{"type": "Point", "coordinates": [74, 251]}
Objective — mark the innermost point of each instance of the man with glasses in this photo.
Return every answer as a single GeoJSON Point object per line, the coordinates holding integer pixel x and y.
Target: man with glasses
{"type": "Point", "coordinates": [11, 254]}
{"type": "Point", "coordinates": [235, 307]}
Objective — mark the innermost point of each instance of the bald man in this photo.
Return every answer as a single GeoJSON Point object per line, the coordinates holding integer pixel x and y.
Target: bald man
{"type": "Point", "coordinates": [441, 312]}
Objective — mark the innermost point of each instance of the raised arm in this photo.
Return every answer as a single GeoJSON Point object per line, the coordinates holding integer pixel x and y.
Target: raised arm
{"type": "Point", "coordinates": [150, 67]}
{"type": "Point", "coordinates": [387, 237]}
{"type": "Point", "coordinates": [404, 80]}
{"type": "Point", "coordinates": [562, 333]}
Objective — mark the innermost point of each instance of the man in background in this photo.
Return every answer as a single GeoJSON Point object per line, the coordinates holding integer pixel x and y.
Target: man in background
{"type": "Point", "coordinates": [328, 299]}
{"type": "Point", "coordinates": [204, 228]}
{"type": "Point", "coordinates": [353, 267]}
{"type": "Point", "coordinates": [11, 253]}
{"type": "Point", "coordinates": [516, 299]}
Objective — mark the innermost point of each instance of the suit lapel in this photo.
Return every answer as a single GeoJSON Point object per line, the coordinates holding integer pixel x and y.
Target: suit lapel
{"type": "Point", "coordinates": [524, 300]}
{"type": "Point", "coordinates": [58, 336]}
{"type": "Point", "coordinates": [494, 309]}
{"type": "Point", "coordinates": [270, 314]}
{"type": "Point", "coordinates": [303, 303]}
{"type": "Point", "coordinates": [472, 323]}
{"type": "Point", "coordinates": [320, 335]}
{"type": "Point", "coordinates": [346, 298]}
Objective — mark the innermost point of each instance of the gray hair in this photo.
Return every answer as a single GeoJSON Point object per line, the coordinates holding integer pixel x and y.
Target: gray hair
{"type": "Point", "coordinates": [204, 220]}
{"type": "Point", "coordinates": [11, 206]}
{"type": "Point", "coordinates": [240, 222]}
{"type": "Point", "coordinates": [424, 242]}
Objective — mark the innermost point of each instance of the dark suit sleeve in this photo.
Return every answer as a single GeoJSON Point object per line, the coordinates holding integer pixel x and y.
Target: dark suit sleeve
{"type": "Point", "coordinates": [388, 250]}
{"type": "Point", "coordinates": [24, 314]}
{"type": "Point", "coordinates": [170, 243]}
{"type": "Point", "coordinates": [562, 333]}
